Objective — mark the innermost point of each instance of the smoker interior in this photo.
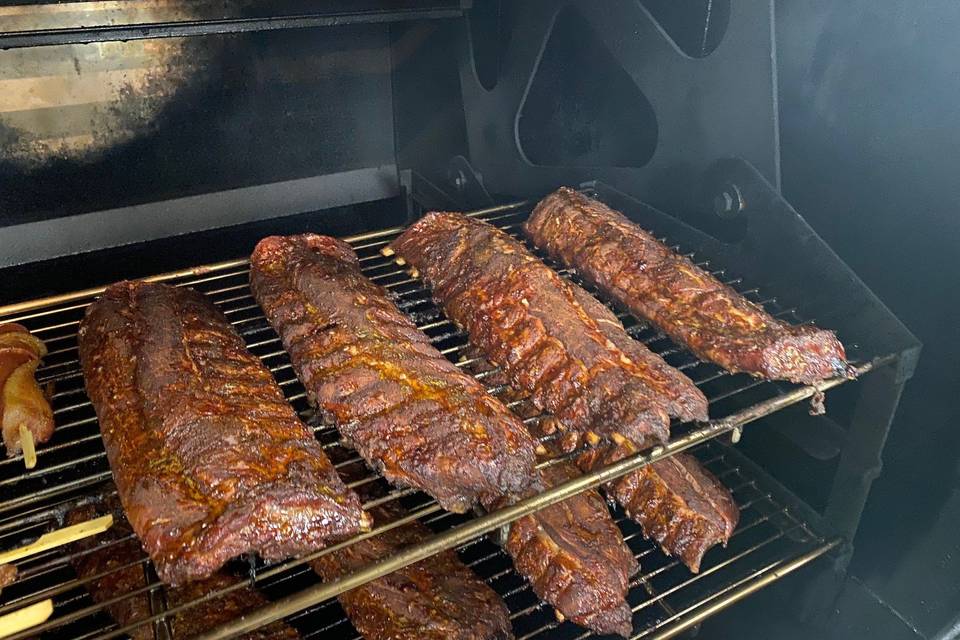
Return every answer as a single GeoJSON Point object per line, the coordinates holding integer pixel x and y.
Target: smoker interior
{"type": "Point", "coordinates": [772, 539]}
{"type": "Point", "coordinates": [124, 126]}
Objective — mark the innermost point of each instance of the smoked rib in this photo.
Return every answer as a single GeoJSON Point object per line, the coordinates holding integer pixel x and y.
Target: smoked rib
{"type": "Point", "coordinates": [111, 568]}
{"type": "Point", "coordinates": [572, 553]}
{"type": "Point", "coordinates": [574, 556]}
{"type": "Point", "coordinates": [410, 412]}
{"type": "Point", "coordinates": [528, 320]}
{"type": "Point", "coordinates": [209, 459]}
{"type": "Point", "coordinates": [677, 502]}
{"type": "Point", "coordinates": [715, 322]}
{"type": "Point", "coordinates": [435, 599]}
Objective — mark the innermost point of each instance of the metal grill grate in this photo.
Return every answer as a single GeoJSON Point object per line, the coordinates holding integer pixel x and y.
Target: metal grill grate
{"type": "Point", "coordinates": [73, 469]}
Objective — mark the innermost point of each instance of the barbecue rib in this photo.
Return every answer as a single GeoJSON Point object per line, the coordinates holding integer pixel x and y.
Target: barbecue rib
{"type": "Point", "coordinates": [409, 411]}
{"type": "Point", "coordinates": [209, 459]}
{"type": "Point", "coordinates": [574, 556]}
{"type": "Point", "coordinates": [22, 403]}
{"type": "Point", "coordinates": [694, 308]}
{"type": "Point", "coordinates": [527, 319]}
{"type": "Point", "coordinates": [435, 599]}
{"type": "Point", "coordinates": [677, 502]}
{"type": "Point", "coordinates": [112, 565]}
{"type": "Point", "coordinates": [572, 553]}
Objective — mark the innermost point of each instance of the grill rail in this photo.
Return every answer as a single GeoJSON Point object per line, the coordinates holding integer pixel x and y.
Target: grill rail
{"type": "Point", "coordinates": [72, 470]}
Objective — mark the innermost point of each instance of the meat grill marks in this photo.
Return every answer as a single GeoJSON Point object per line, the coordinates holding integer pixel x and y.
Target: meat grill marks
{"type": "Point", "coordinates": [410, 412]}
{"type": "Point", "coordinates": [110, 562]}
{"type": "Point", "coordinates": [690, 305]}
{"type": "Point", "coordinates": [209, 459]}
{"type": "Point", "coordinates": [677, 502]}
{"type": "Point", "coordinates": [527, 319]}
{"type": "Point", "coordinates": [435, 599]}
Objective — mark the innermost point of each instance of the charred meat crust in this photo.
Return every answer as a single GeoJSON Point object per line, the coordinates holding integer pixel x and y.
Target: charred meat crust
{"type": "Point", "coordinates": [209, 459]}
{"type": "Point", "coordinates": [111, 563]}
{"type": "Point", "coordinates": [435, 599]}
{"type": "Point", "coordinates": [411, 413]}
{"type": "Point", "coordinates": [715, 322]}
{"type": "Point", "coordinates": [680, 396]}
{"type": "Point", "coordinates": [528, 320]}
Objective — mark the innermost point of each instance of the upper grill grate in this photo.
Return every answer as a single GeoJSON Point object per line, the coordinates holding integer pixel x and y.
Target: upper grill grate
{"type": "Point", "coordinates": [73, 469]}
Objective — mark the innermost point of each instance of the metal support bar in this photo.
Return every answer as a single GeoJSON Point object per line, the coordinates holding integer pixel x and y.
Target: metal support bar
{"type": "Point", "coordinates": [175, 29]}
{"type": "Point", "coordinates": [736, 592]}
{"type": "Point", "coordinates": [860, 462]}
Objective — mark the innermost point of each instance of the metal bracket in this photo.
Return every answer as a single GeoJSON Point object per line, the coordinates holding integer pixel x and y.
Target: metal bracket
{"type": "Point", "coordinates": [467, 184]}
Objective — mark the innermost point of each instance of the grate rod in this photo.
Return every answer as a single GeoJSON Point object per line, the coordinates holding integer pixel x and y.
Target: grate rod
{"type": "Point", "coordinates": [735, 592]}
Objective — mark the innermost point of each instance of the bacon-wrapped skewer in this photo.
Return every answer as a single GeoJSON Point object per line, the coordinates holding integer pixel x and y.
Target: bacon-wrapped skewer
{"type": "Point", "coordinates": [26, 414]}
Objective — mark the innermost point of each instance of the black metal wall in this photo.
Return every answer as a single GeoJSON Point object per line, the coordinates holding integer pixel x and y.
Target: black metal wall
{"type": "Point", "coordinates": [870, 149]}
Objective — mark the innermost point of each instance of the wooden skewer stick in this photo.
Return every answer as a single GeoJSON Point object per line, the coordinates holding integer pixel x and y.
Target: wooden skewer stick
{"type": "Point", "coordinates": [59, 537]}
{"type": "Point", "coordinates": [387, 251]}
{"type": "Point", "coordinates": [29, 450]}
{"type": "Point", "coordinates": [25, 618]}
{"type": "Point", "coordinates": [400, 261]}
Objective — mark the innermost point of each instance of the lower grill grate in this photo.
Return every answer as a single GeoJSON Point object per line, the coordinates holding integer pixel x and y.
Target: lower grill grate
{"type": "Point", "coordinates": [73, 470]}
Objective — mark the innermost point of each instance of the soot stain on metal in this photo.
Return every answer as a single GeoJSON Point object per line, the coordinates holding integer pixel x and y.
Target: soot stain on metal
{"type": "Point", "coordinates": [50, 171]}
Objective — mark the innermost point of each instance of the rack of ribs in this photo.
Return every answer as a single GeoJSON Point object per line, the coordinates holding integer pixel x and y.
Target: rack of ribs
{"type": "Point", "coordinates": [209, 459]}
{"type": "Point", "coordinates": [678, 503]}
{"type": "Point", "coordinates": [530, 321]}
{"type": "Point", "coordinates": [574, 556]}
{"type": "Point", "coordinates": [694, 308]}
{"type": "Point", "coordinates": [434, 599]}
{"type": "Point", "coordinates": [472, 265]}
{"type": "Point", "coordinates": [572, 552]}
{"type": "Point", "coordinates": [410, 412]}
{"type": "Point", "coordinates": [111, 567]}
